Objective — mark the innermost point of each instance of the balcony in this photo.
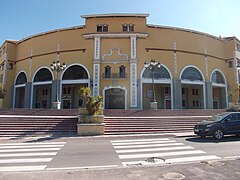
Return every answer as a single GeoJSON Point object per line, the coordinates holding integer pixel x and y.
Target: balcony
{"type": "Point", "coordinates": [114, 76]}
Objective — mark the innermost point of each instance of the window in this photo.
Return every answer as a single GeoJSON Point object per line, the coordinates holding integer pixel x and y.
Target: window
{"type": "Point", "coordinates": [128, 28]}
{"type": "Point", "coordinates": [230, 64]}
{"type": "Point", "coordinates": [107, 72]}
{"type": "Point", "coordinates": [195, 92]}
{"type": "Point", "coordinates": [166, 90]}
{"type": "Point", "coordinates": [183, 91]}
{"type": "Point", "coordinates": [122, 72]}
{"type": "Point", "coordinates": [102, 28]}
{"type": "Point", "coordinates": [238, 47]}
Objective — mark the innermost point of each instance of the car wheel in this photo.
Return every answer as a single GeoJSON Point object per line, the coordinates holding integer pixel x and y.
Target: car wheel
{"type": "Point", "coordinates": [218, 134]}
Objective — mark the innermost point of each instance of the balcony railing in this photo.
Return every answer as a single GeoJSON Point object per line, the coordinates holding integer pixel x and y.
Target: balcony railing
{"type": "Point", "coordinates": [114, 76]}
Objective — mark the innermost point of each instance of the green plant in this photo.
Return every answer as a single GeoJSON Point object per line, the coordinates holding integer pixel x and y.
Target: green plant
{"type": "Point", "coordinates": [93, 104]}
{"type": "Point", "coordinates": [2, 93]}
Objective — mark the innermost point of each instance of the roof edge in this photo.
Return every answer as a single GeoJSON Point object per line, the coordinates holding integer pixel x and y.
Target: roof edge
{"type": "Point", "coordinates": [115, 15]}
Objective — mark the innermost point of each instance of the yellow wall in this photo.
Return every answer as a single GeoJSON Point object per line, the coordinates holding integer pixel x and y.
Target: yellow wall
{"type": "Point", "coordinates": [190, 50]}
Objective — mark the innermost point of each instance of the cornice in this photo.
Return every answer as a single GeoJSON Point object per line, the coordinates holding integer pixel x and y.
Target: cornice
{"type": "Point", "coordinates": [115, 35]}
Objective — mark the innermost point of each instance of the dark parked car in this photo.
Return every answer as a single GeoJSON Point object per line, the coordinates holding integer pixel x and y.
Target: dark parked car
{"type": "Point", "coordinates": [219, 125]}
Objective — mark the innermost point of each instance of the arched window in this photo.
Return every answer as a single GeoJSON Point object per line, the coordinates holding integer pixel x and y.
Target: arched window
{"type": "Point", "coordinates": [217, 77]}
{"type": "Point", "coordinates": [161, 73]}
{"type": "Point", "coordinates": [107, 72]}
{"type": "Point", "coordinates": [43, 75]}
{"type": "Point", "coordinates": [122, 71]}
{"type": "Point", "coordinates": [191, 74]}
{"type": "Point", "coordinates": [75, 73]}
{"type": "Point", "coordinates": [21, 79]}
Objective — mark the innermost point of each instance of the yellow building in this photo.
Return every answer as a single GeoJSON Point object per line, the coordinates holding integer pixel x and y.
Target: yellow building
{"type": "Point", "coordinates": [107, 54]}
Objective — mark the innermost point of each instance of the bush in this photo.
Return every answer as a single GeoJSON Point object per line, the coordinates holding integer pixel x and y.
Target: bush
{"type": "Point", "coordinates": [2, 93]}
{"type": "Point", "coordinates": [93, 104]}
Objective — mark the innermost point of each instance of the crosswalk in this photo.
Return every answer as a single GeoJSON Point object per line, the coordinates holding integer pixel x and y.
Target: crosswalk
{"type": "Point", "coordinates": [27, 156]}
{"type": "Point", "coordinates": [157, 151]}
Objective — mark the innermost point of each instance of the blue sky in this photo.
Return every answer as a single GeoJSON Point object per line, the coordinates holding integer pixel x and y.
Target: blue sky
{"type": "Point", "coordinates": [22, 18]}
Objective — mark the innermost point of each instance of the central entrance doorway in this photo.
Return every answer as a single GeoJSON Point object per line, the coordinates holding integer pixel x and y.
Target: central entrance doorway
{"type": "Point", "coordinates": [115, 98]}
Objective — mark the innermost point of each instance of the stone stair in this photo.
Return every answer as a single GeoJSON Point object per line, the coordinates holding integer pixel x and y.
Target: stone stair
{"type": "Point", "coordinates": [153, 121]}
{"type": "Point", "coordinates": [37, 122]}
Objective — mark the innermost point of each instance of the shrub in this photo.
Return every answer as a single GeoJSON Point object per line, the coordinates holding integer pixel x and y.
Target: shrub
{"type": "Point", "coordinates": [93, 104]}
{"type": "Point", "coordinates": [2, 93]}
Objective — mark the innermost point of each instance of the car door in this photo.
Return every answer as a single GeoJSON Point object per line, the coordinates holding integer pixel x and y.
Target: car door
{"type": "Point", "coordinates": [231, 123]}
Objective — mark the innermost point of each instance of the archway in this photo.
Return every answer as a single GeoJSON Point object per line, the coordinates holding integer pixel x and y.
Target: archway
{"type": "Point", "coordinates": [42, 88]}
{"type": "Point", "coordinates": [73, 79]}
{"type": "Point", "coordinates": [163, 88]}
{"type": "Point", "coordinates": [219, 90]}
{"type": "Point", "coordinates": [193, 88]}
{"type": "Point", "coordinates": [19, 90]}
{"type": "Point", "coordinates": [115, 98]}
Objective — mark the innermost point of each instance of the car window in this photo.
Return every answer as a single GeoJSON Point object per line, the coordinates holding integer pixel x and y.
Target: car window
{"type": "Point", "coordinates": [233, 117]}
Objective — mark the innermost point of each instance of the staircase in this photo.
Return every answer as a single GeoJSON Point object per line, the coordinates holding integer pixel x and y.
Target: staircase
{"type": "Point", "coordinates": [153, 121]}
{"type": "Point", "coordinates": [37, 122]}
{"type": "Point", "coordinates": [42, 122]}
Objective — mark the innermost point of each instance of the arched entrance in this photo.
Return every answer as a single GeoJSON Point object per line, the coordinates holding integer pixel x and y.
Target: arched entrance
{"type": "Point", "coordinates": [42, 88]}
{"type": "Point", "coordinates": [19, 90]}
{"type": "Point", "coordinates": [193, 88]}
{"type": "Point", "coordinates": [73, 79]}
{"type": "Point", "coordinates": [115, 98]}
{"type": "Point", "coordinates": [163, 88]}
{"type": "Point", "coordinates": [219, 90]}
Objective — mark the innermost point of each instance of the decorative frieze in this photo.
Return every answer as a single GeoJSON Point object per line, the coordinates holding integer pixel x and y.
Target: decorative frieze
{"type": "Point", "coordinates": [96, 75]}
{"type": "Point", "coordinates": [175, 57]}
{"type": "Point", "coordinates": [133, 47]}
{"type": "Point", "coordinates": [96, 48]}
{"type": "Point", "coordinates": [133, 84]}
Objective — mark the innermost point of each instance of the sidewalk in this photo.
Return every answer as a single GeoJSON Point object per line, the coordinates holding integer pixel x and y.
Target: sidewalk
{"type": "Point", "coordinates": [200, 171]}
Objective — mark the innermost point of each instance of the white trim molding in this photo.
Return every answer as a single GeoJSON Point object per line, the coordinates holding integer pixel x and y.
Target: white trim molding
{"type": "Point", "coordinates": [115, 35]}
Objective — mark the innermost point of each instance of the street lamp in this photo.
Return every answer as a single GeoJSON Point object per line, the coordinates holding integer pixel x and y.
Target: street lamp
{"type": "Point", "coordinates": [153, 66]}
{"type": "Point", "coordinates": [58, 67]}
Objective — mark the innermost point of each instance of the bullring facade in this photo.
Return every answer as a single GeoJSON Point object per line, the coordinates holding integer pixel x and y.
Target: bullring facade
{"type": "Point", "coordinates": [107, 54]}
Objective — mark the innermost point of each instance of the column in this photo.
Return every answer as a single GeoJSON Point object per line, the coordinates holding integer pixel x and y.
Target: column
{"type": "Point", "coordinates": [133, 74]}
{"type": "Point", "coordinates": [209, 95]}
{"type": "Point", "coordinates": [177, 94]}
{"type": "Point", "coordinates": [27, 95]}
{"type": "Point", "coordinates": [96, 67]}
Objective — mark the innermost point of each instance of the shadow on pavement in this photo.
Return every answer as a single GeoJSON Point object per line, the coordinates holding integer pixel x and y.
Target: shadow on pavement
{"type": "Point", "coordinates": [198, 139]}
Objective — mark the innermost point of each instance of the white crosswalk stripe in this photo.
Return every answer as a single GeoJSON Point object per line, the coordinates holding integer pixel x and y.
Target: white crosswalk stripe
{"type": "Point", "coordinates": [162, 150]}
{"type": "Point", "coordinates": [27, 156]}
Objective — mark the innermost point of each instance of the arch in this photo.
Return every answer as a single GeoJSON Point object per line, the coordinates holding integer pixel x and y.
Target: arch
{"type": "Point", "coordinates": [19, 90]}
{"type": "Point", "coordinates": [162, 78]}
{"type": "Point", "coordinates": [115, 87]}
{"type": "Point", "coordinates": [21, 78]}
{"type": "Point", "coordinates": [218, 77]}
{"type": "Point", "coordinates": [163, 73]}
{"type": "Point", "coordinates": [79, 75]}
{"type": "Point", "coordinates": [219, 89]}
{"type": "Point", "coordinates": [191, 73]}
{"type": "Point", "coordinates": [46, 75]}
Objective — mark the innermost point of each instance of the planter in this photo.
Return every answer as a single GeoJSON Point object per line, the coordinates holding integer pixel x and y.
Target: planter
{"type": "Point", "coordinates": [1, 103]}
{"type": "Point", "coordinates": [90, 129]}
{"type": "Point", "coordinates": [84, 111]}
{"type": "Point", "coordinates": [57, 105]}
{"type": "Point", "coordinates": [153, 105]}
{"type": "Point", "coordinates": [90, 125]}
{"type": "Point", "coordinates": [90, 119]}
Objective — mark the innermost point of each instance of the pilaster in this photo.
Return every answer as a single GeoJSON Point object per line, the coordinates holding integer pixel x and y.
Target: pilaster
{"type": "Point", "coordinates": [96, 66]}
{"type": "Point", "coordinates": [209, 95]}
{"type": "Point", "coordinates": [133, 73]}
{"type": "Point", "coordinates": [177, 95]}
{"type": "Point", "coordinates": [27, 96]}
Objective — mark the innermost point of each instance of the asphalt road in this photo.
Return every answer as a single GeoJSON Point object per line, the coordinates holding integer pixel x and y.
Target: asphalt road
{"type": "Point", "coordinates": [112, 152]}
